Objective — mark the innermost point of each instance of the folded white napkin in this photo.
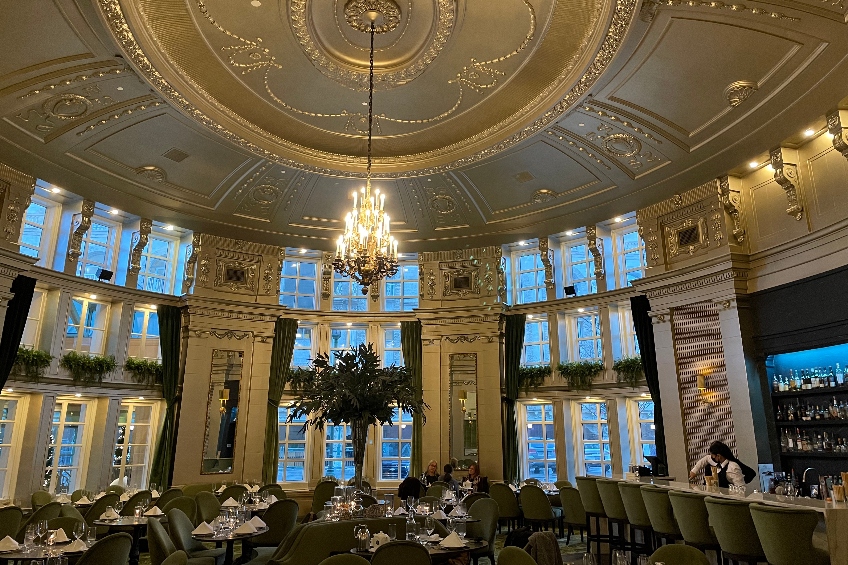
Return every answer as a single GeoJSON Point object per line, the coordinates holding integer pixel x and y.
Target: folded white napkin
{"type": "Point", "coordinates": [230, 503]}
{"type": "Point", "coordinates": [254, 488]}
{"type": "Point", "coordinates": [221, 489]}
{"type": "Point", "coordinates": [63, 498]}
{"type": "Point", "coordinates": [439, 515]}
{"type": "Point", "coordinates": [272, 499]}
{"type": "Point", "coordinates": [512, 487]}
{"type": "Point", "coordinates": [100, 494]}
{"type": "Point", "coordinates": [257, 522]}
{"type": "Point", "coordinates": [455, 512]}
{"type": "Point", "coordinates": [246, 528]}
{"type": "Point", "coordinates": [60, 536]}
{"type": "Point", "coordinates": [154, 493]}
{"type": "Point", "coordinates": [109, 515]}
{"type": "Point", "coordinates": [8, 544]}
{"type": "Point", "coordinates": [452, 540]}
{"type": "Point", "coordinates": [84, 500]}
{"type": "Point", "coordinates": [155, 511]}
{"type": "Point", "coordinates": [125, 497]}
{"type": "Point", "coordinates": [203, 528]}
{"type": "Point", "coordinates": [400, 511]}
{"type": "Point", "coordinates": [75, 546]}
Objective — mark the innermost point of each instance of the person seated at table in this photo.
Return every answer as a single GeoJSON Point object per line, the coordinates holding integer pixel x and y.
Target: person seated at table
{"type": "Point", "coordinates": [728, 468]}
{"type": "Point", "coordinates": [478, 483]}
{"type": "Point", "coordinates": [447, 477]}
{"type": "Point", "coordinates": [431, 475]}
{"type": "Point", "coordinates": [409, 487]}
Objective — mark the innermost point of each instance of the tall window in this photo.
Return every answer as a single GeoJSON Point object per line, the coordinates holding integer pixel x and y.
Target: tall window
{"type": "Point", "coordinates": [402, 289]}
{"type": "Point", "coordinates": [537, 349]}
{"type": "Point", "coordinates": [587, 341]}
{"type": "Point", "coordinates": [8, 416]}
{"type": "Point", "coordinates": [396, 447]}
{"type": "Point", "coordinates": [580, 269]}
{"type": "Point", "coordinates": [643, 430]}
{"type": "Point", "coordinates": [66, 448]}
{"type": "Point", "coordinates": [342, 339]}
{"type": "Point", "coordinates": [347, 295]}
{"type": "Point", "coordinates": [32, 329]}
{"type": "Point", "coordinates": [132, 444]}
{"type": "Point", "coordinates": [594, 441]}
{"type": "Point", "coordinates": [86, 331]}
{"type": "Point", "coordinates": [98, 247]}
{"type": "Point", "coordinates": [539, 445]}
{"type": "Point", "coordinates": [530, 278]}
{"type": "Point", "coordinates": [35, 231]}
{"type": "Point", "coordinates": [298, 285]}
{"type": "Point", "coordinates": [157, 265]}
{"type": "Point", "coordinates": [144, 337]}
{"type": "Point", "coordinates": [291, 455]}
{"type": "Point", "coordinates": [629, 343]}
{"type": "Point", "coordinates": [392, 352]}
{"type": "Point", "coordinates": [629, 257]}
{"type": "Point", "coordinates": [302, 347]}
{"type": "Point", "coordinates": [338, 453]}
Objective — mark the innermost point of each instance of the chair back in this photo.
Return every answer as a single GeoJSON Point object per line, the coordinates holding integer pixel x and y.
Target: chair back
{"type": "Point", "coordinates": [233, 491]}
{"type": "Point", "coordinates": [674, 554]}
{"type": "Point", "coordinates": [506, 499]}
{"type": "Point", "coordinates": [406, 552]}
{"type": "Point", "coordinates": [429, 500]}
{"type": "Point", "coordinates": [474, 497]}
{"type": "Point", "coordinates": [536, 482]}
{"type": "Point", "coordinates": [281, 518]}
{"type": "Point", "coordinates": [111, 550]}
{"type": "Point", "coordinates": [10, 521]}
{"type": "Point", "coordinates": [66, 523]}
{"type": "Point", "coordinates": [591, 497]}
{"type": "Point", "coordinates": [159, 543]}
{"type": "Point", "coordinates": [76, 495]}
{"type": "Point", "coordinates": [345, 559]}
{"type": "Point", "coordinates": [99, 507]}
{"type": "Point", "coordinates": [515, 556]}
{"type": "Point", "coordinates": [70, 511]}
{"type": "Point", "coordinates": [485, 510]}
{"type": "Point", "coordinates": [39, 498]}
{"type": "Point", "coordinates": [184, 504]}
{"type": "Point", "coordinates": [208, 506]}
{"type": "Point", "coordinates": [786, 534]}
{"type": "Point", "coordinates": [734, 528]}
{"type": "Point", "coordinates": [194, 488]}
{"type": "Point", "coordinates": [367, 500]}
{"type": "Point", "coordinates": [323, 492]}
{"type": "Point", "coordinates": [535, 503]}
{"type": "Point", "coordinates": [116, 489]}
{"type": "Point", "coordinates": [441, 483]}
{"type": "Point", "coordinates": [659, 510]}
{"type": "Point", "coordinates": [634, 504]}
{"type": "Point", "coordinates": [274, 489]}
{"type": "Point", "coordinates": [142, 496]}
{"type": "Point", "coordinates": [180, 527]}
{"type": "Point", "coordinates": [611, 499]}
{"type": "Point", "coordinates": [692, 517]}
{"type": "Point", "coordinates": [436, 490]}
{"type": "Point", "coordinates": [563, 483]}
{"type": "Point", "coordinates": [168, 496]}
{"type": "Point", "coordinates": [177, 558]}
{"type": "Point", "coordinates": [46, 512]}
{"type": "Point", "coordinates": [572, 506]}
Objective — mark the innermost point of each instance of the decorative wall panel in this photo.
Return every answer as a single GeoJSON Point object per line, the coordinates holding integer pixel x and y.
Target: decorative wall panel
{"type": "Point", "coordinates": [698, 350]}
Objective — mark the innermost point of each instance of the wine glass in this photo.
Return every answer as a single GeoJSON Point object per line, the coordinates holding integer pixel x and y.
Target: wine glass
{"type": "Point", "coordinates": [642, 560]}
{"type": "Point", "coordinates": [588, 559]}
{"type": "Point", "coordinates": [619, 557]}
{"type": "Point", "coordinates": [429, 525]}
{"type": "Point", "coordinates": [40, 531]}
{"type": "Point", "coordinates": [79, 530]}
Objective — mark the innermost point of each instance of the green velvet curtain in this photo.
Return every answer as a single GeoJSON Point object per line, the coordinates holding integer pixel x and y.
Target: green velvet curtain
{"type": "Point", "coordinates": [170, 322]}
{"type": "Point", "coordinates": [285, 332]}
{"type": "Point", "coordinates": [513, 344]}
{"type": "Point", "coordinates": [410, 342]}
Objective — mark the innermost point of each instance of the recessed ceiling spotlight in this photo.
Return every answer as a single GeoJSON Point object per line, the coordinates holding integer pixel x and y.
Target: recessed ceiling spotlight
{"type": "Point", "coordinates": [10, 390]}
{"type": "Point", "coordinates": [753, 164]}
{"type": "Point", "coordinates": [255, 3]}
{"type": "Point", "coordinates": [93, 296]}
{"type": "Point", "coordinates": [55, 190]}
{"type": "Point", "coordinates": [152, 306]}
{"type": "Point", "coordinates": [141, 398]}
{"type": "Point", "coordinates": [809, 132]}
{"type": "Point", "coordinates": [581, 309]}
{"type": "Point", "coordinates": [302, 250]}
{"type": "Point", "coordinates": [78, 395]}
{"type": "Point", "coordinates": [581, 125]}
{"type": "Point", "coordinates": [569, 232]}
{"type": "Point", "coordinates": [114, 211]}
{"type": "Point", "coordinates": [522, 242]}
{"type": "Point", "coordinates": [618, 219]}
{"type": "Point", "coordinates": [169, 227]}
{"type": "Point", "coordinates": [120, 88]}
{"type": "Point", "coordinates": [365, 103]}
{"type": "Point", "coordinates": [350, 323]}
{"type": "Point", "coordinates": [529, 316]}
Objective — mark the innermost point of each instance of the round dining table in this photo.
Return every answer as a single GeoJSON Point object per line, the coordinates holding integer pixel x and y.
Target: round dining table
{"type": "Point", "coordinates": [437, 553]}
{"type": "Point", "coordinates": [228, 539]}
{"type": "Point", "coordinates": [136, 528]}
{"type": "Point", "coordinates": [36, 555]}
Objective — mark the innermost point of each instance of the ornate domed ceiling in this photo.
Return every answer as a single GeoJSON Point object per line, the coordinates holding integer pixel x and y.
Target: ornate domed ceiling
{"type": "Point", "coordinates": [495, 121]}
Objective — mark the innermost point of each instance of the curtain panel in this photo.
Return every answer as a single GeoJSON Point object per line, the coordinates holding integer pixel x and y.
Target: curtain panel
{"type": "Point", "coordinates": [513, 345]}
{"type": "Point", "coordinates": [170, 339]}
{"type": "Point", "coordinates": [23, 289]}
{"type": "Point", "coordinates": [410, 342]}
{"type": "Point", "coordinates": [285, 333]}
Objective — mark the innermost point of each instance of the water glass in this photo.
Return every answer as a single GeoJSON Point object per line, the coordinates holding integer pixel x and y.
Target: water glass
{"type": "Point", "coordinates": [588, 559]}
{"type": "Point", "coordinates": [642, 560]}
{"type": "Point", "coordinates": [459, 528]}
{"type": "Point", "coordinates": [411, 531]}
{"type": "Point", "coordinates": [57, 560]}
{"type": "Point", "coordinates": [619, 557]}
{"type": "Point", "coordinates": [29, 537]}
{"type": "Point", "coordinates": [138, 511]}
{"type": "Point", "coordinates": [429, 525]}
{"type": "Point", "coordinates": [392, 532]}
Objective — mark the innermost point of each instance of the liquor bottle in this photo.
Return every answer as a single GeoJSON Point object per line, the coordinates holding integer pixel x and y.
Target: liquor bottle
{"type": "Point", "coordinates": [799, 440]}
{"type": "Point", "coordinates": [807, 381]}
{"type": "Point", "coordinates": [790, 413]}
{"type": "Point", "coordinates": [784, 441]}
{"type": "Point", "coordinates": [817, 413]}
{"type": "Point", "coordinates": [839, 376]}
{"type": "Point", "coordinates": [828, 444]}
{"type": "Point", "coordinates": [790, 441]}
{"type": "Point", "coordinates": [831, 377]}
{"type": "Point", "coordinates": [784, 384]}
{"type": "Point", "coordinates": [775, 384]}
{"type": "Point", "coordinates": [819, 443]}
{"type": "Point", "coordinates": [792, 382]}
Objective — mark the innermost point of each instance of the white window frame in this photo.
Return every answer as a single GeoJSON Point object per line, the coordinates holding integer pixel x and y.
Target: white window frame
{"type": "Point", "coordinates": [131, 405]}
{"type": "Point", "coordinates": [47, 245]}
{"type": "Point", "coordinates": [353, 294]}
{"type": "Point", "coordinates": [574, 341]}
{"type": "Point", "coordinates": [297, 278]}
{"type": "Point", "coordinates": [347, 462]}
{"type": "Point", "coordinates": [15, 441]}
{"type": "Point", "coordinates": [386, 347]}
{"type": "Point", "coordinates": [567, 262]}
{"type": "Point", "coordinates": [628, 343]}
{"type": "Point", "coordinates": [35, 316]}
{"type": "Point", "coordinates": [143, 337]}
{"type": "Point", "coordinates": [82, 327]}
{"type": "Point", "coordinates": [621, 271]}
{"type": "Point", "coordinates": [542, 345]}
{"type": "Point", "coordinates": [579, 442]}
{"type": "Point", "coordinates": [170, 276]}
{"type": "Point", "coordinates": [111, 246]}
{"type": "Point", "coordinates": [547, 442]}
{"type": "Point", "coordinates": [348, 328]}
{"type": "Point", "coordinates": [401, 422]}
{"type": "Point", "coordinates": [285, 443]}
{"type": "Point", "coordinates": [538, 270]}
{"type": "Point", "coordinates": [84, 447]}
{"type": "Point", "coordinates": [636, 421]}
{"type": "Point", "coordinates": [303, 329]}
{"type": "Point", "coordinates": [403, 281]}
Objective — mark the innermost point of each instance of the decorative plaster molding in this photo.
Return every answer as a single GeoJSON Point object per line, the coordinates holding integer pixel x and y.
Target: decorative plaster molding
{"type": "Point", "coordinates": [375, 293]}
{"type": "Point", "coordinates": [326, 275]}
{"type": "Point", "coordinates": [649, 8]}
{"type": "Point", "coordinates": [834, 128]}
{"type": "Point", "coordinates": [460, 319]}
{"type": "Point", "coordinates": [203, 312]}
{"type": "Point", "coordinates": [730, 199]}
{"type": "Point", "coordinates": [490, 252]}
{"type": "Point", "coordinates": [223, 334]}
{"type": "Point", "coordinates": [431, 284]}
{"type": "Point", "coordinates": [139, 242]}
{"type": "Point", "coordinates": [191, 252]}
{"type": "Point", "coordinates": [739, 91]}
{"type": "Point", "coordinates": [596, 248]}
{"type": "Point", "coordinates": [677, 203]}
{"type": "Point", "coordinates": [547, 256]}
{"type": "Point", "coordinates": [429, 342]}
{"type": "Point", "coordinates": [701, 282]}
{"type": "Point", "coordinates": [81, 223]}
{"type": "Point", "coordinates": [501, 275]}
{"type": "Point", "coordinates": [725, 303]}
{"type": "Point", "coordinates": [786, 175]}
{"type": "Point", "coordinates": [470, 339]}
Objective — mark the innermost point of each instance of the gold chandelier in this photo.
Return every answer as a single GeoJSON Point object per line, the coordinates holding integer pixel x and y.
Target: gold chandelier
{"type": "Point", "coordinates": [367, 252]}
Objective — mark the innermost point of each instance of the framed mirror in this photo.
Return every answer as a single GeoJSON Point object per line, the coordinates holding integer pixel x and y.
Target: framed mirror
{"type": "Point", "coordinates": [463, 409]}
{"type": "Point", "coordinates": [222, 409]}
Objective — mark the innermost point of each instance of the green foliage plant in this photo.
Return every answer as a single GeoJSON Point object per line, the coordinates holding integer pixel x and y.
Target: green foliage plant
{"type": "Point", "coordinates": [87, 369]}
{"type": "Point", "coordinates": [355, 390]}
{"type": "Point", "coordinates": [580, 374]}
{"type": "Point", "coordinates": [533, 377]}
{"type": "Point", "coordinates": [30, 363]}
{"type": "Point", "coordinates": [629, 370]}
{"type": "Point", "coordinates": [144, 371]}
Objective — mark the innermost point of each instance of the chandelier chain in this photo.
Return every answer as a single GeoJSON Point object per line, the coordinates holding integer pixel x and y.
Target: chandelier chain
{"type": "Point", "coordinates": [370, 100]}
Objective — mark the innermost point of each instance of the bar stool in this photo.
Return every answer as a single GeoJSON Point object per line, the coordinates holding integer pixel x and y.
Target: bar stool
{"type": "Point", "coordinates": [787, 535]}
{"type": "Point", "coordinates": [661, 513]}
{"type": "Point", "coordinates": [637, 516]}
{"type": "Point", "coordinates": [614, 509]}
{"type": "Point", "coordinates": [594, 507]}
{"type": "Point", "coordinates": [694, 521]}
{"type": "Point", "coordinates": [735, 531]}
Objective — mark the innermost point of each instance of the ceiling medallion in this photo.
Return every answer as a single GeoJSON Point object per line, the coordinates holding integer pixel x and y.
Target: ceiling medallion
{"type": "Point", "coordinates": [388, 15]}
{"type": "Point", "coordinates": [739, 91]}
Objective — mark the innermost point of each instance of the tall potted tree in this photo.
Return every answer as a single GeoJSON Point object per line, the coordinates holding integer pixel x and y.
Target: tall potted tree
{"type": "Point", "coordinates": [355, 390]}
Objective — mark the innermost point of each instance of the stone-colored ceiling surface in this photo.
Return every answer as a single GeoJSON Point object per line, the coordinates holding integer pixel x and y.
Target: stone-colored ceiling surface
{"type": "Point", "coordinates": [495, 121]}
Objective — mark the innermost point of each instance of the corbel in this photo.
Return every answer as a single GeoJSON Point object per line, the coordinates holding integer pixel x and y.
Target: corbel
{"type": "Point", "coordinates": [786, 175]}
{"type": "Point", "coordinates": [139, 242]}
{"type": "Point", "coordinates": [834, 128]}
{"type": "Point", "coordinates": [81, 224]}
{"type": "Point", "coordinates": [375, 292]}
{"type": "Point", "coordinates": [546, 256]}
{"type": "Point", "coordinates": [326, 275]}
{"type": "Point", "coordinates": [191, 252]}
{"type": "Point", "coordinates": [596, 248]}
{"type": "Point", "coordinates": [730, 201]}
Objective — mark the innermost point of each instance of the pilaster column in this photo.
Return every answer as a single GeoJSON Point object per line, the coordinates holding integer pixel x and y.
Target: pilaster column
{"type": "Point", "coordinates": [672, 413]}
{"type": "Point", "coordinates": [16, 190]}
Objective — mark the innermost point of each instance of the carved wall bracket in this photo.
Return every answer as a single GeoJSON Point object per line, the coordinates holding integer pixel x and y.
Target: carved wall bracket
{"type": "Point", "coordinates": [547, 256]}
{"type": "Point", "coordinates": [596, 248]}
{"type": "Point", "coordinates": [835, 128]}
{"type": "Point", "coordinates": [326, 275]}
{"type": "Point", "coordinates": [139, 242]}
{"type": "Point", "coordinates": [786, 175]}
{"type": "Point", "coordinates": [81, 224]}
{"type": "Point", "coordinates": [192, 251]}
{"type": "Point", "coordinates": [730, 199]}
{"type": "Point", "coordinates": [375, 293]}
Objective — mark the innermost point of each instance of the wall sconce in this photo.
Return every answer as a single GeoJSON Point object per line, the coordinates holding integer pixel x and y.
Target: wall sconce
{"type": "Point", "coordinates": [224, 397]}
{"type": "Point", "coordinates": [463, 396]}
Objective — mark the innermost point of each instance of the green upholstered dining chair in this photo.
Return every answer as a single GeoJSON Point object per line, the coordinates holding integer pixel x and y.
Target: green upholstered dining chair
{"type": "Point", "coordinates": [734, 528]}
{"type": "Point", "coordinates": [434, 500]}
{"type": "Point", "coordinates": [71, 511]}
{"type": "Point", "coordinates": [536, 482]}
{"type": "Point", "coordinates": [170, 495]}
{"type": "Point", "coordinates": [594, 507]}
{"type": "Point", "coordinates": [485, 510]}
{"type": "Point", "coordinates": [176, 558]}
{"type": "Point", "coordinates": [474, 497]}
{"type": "Point", "coordinates": [367, 500]}
{"type": "Point", "coordinates": [637, 515]}
{"type": "Point", "coordinates": [46, 512]}
{"type": "Point", "coordinates": [10, 521]}
{"type": "Point", "coordinates": [77, 494]}
{"type": "Point", "coordinates": [436, 490]}
{"type": "Point", "coordinates": [614, 509]}
{"type": "Point", "coordinates": [786, 535]}
{"type": "Point", "coordinates": [406, 552]}
{"type": "Point", "coordinates": [208, 506]}
{"type": "Point", "coordinates": [515, 556]}
{"type": "Point", "coordinates": [441, 483]}
{"type": "Point", "coordinates": [508, 508]}
{"type": "Point", "coordinates": [345, 559]}
{"type": "Point", "coordinates": [573, 513]}
{"type": "Point", "coordinates": [159, 543]}
{"type": "Point", "coordinates": [116, 489]}
{"type": "Point", "coordinates": [323, 492]}
{"type": "Point", "coordinates": [194, 488]}
{"type": "Point", "coordinates": [233, 491]}
{"type": "Point", "coordinates": [562, 483]}
{"type": "Point", "coordinates": [274, 489]}
{"type": "Point", "coordinates": [111, 550]}
{"type": "Point", "coordinates": [141, 497]}
{"type": "Point", "coordinates": [281, 518]}
{"type": "Point", "coordinates": [675, 554]}
{"type": "Point", "coordinates": [180, 527]}
{"type": "Point", "coordinates": [185, 504]}
{"type": "Point", "coordinates": [39, 498]}
{"type": "Point", "coordinates": [661, 513]}
{"type": "Point", "coordinates": [99, 507]}
{"type": "Point", "coordinates": [692, 517]}
{"type": "Point", "coordinates": [537, 508]}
